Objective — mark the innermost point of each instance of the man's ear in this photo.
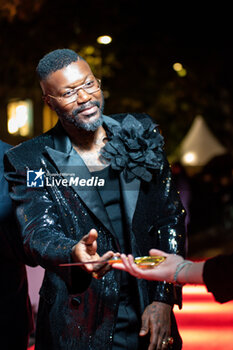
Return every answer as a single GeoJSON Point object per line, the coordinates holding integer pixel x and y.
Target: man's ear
{"type": "Point", "coordinates": [47, 100]}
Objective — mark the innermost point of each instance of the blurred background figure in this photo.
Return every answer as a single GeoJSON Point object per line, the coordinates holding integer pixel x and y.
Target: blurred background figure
{"type": "Point", "coordinates": [211, 208]}
{"type": "Point", "coordinates": [182, 183]}
{"type": "Point", "coordinates": [16, 322]}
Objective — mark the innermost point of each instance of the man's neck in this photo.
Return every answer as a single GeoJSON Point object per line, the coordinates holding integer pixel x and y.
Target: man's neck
{"type": "Point", "coordinates": [88, 145]}
{"type": "Point", "coordinates": [84, 140]}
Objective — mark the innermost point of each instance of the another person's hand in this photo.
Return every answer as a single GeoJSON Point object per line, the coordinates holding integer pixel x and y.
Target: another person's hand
{"type": "Point", "coordinates": [156, 320]}
{"type": "Point", "coordinates": [86, 250]}
{"type": "Point", "coordinates": [165, 271]}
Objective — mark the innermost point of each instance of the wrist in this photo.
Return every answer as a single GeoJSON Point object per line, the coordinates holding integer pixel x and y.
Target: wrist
{"type": "Point", "coordinates": [191, 273]}
{"type": "Point", "coordinates": [182, 268]}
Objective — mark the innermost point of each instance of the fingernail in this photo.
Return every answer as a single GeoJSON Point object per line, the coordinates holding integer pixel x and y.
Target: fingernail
{"type": "Point", "coordinates": [142, 333]}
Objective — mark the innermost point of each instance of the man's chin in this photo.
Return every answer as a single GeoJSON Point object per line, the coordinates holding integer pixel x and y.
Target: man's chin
{"type": "Point", "coordinates": [90, 123]}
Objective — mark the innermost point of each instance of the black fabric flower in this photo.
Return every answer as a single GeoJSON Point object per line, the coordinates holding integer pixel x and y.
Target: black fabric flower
{"type": "Point", "coordinates": [134, 147]}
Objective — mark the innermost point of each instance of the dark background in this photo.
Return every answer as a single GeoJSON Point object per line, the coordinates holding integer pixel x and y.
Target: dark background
{"type": "Point", "coordinates": [137, 75]}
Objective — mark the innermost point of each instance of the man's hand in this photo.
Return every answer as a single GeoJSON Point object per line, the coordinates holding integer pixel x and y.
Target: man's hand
{"type": "Point", "coordinates": [156, 319]}
{"type": "Point", "coordinates": [86, 250]}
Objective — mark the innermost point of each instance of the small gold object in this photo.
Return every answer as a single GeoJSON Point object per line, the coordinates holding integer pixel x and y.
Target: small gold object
{"type": "Point", "coordinates": [95, 275]}
{"type": "Point", "coordinates": [149, 262]}
{"type": "Point", "coordinates": [143, 262]}
{"type": "Point", "coordinates": [169, 341]}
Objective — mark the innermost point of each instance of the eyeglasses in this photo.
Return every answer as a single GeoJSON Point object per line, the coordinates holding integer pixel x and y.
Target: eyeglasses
{"type": "Point", "coordinates": [91, 86]}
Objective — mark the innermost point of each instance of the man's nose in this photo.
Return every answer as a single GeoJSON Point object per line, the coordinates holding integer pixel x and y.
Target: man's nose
{"type": "Point", "coordinates": [83, 96]}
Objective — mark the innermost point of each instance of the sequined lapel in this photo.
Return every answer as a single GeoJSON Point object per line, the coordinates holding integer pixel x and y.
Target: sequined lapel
{"type": "Point", "coordinates": [71, 163]}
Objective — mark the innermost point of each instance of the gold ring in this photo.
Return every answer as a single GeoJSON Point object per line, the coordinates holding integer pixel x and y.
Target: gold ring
{"type": "Point", "coordinates": [169, 341]}
{"type": "Point", "coordinates": [95, 275]}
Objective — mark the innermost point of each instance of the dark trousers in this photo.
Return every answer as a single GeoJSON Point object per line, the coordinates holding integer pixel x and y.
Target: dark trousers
{"type": "Point", "coordinates": [127, 329]}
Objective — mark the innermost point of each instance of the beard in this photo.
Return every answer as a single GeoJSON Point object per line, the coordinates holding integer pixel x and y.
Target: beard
{"type": "Point", "coordinates": [73, 119]}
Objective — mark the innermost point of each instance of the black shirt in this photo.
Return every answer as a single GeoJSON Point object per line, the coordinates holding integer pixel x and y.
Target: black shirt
{"type": "Point", "coordinates": [128, 322]}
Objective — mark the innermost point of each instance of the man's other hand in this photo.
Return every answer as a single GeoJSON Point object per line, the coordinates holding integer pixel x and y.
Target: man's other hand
{"type": "Point", "coordinates": [86, 250]}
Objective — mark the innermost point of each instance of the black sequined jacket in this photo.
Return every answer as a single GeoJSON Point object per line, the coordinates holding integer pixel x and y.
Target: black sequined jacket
{"type": "Point", "coordinates": [77, 311]}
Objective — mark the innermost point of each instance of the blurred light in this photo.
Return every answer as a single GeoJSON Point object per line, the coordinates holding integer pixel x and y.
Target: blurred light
{"type": "Point", "coordinates": [104, 39]}
{"type": "Point", "coordinates": [19, 117]}
{"type": "Point", "coordinates": [189, 158]}
{"type": "Point", "coordinates": [12, 126]}
{"type": "Point", "coordinates": [177, 67]}
{"type": "Point", "coordinates": [89, 50]}
{"type": "Point", "coordinates": [106, 94]}
{"type": "Point", "coordinates": [182, 73]}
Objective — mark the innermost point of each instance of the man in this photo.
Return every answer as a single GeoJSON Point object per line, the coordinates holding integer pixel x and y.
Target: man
{"type": "Point", "coordinates": [93, 307]}
{"type": "Point", "coordinates": [15, 317]}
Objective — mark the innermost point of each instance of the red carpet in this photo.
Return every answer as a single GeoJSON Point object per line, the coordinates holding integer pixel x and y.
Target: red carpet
{"type": "Point", "coordinates": [203, 323]}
